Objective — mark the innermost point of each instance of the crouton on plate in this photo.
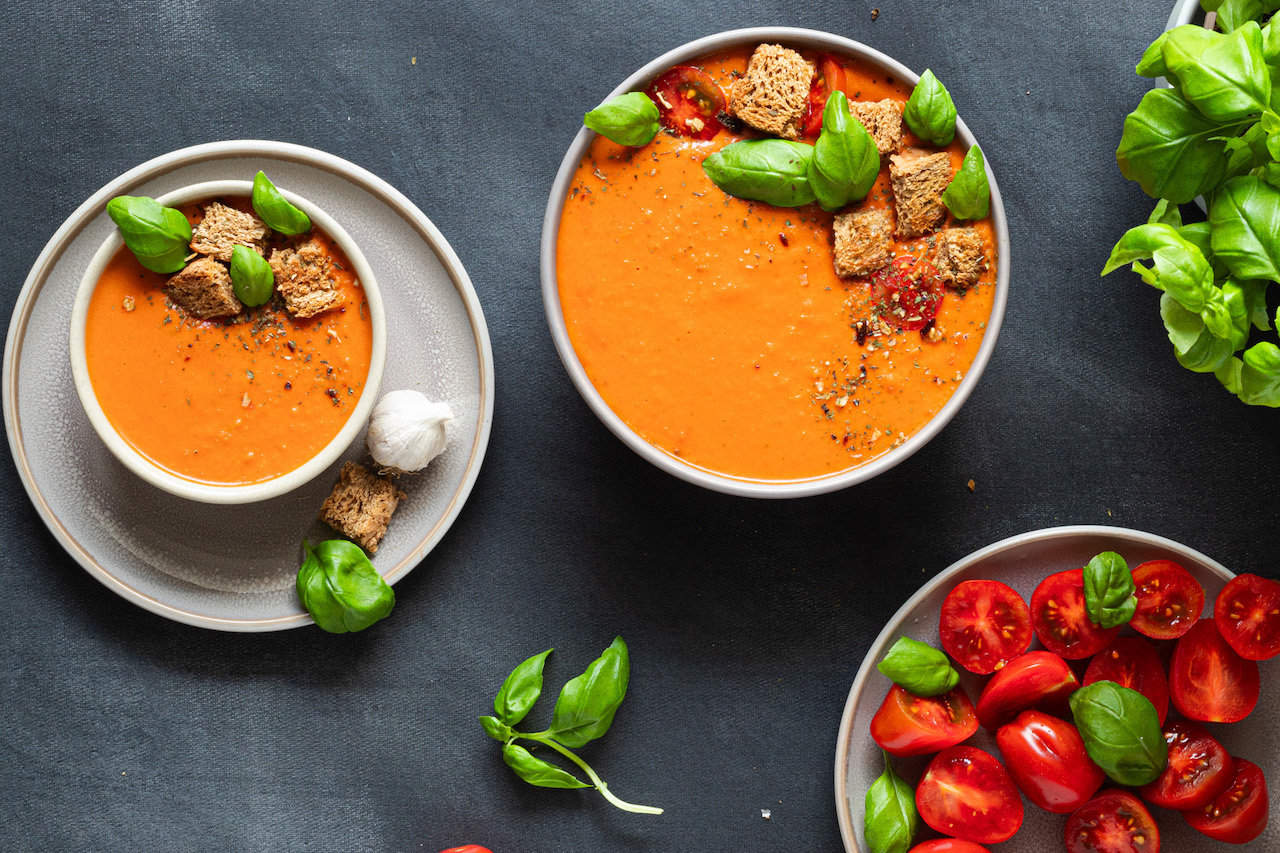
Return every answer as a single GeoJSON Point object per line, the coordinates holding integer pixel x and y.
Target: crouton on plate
{"type": "Point", "coordinates": [774, 93]}
{"type": "Point", "coordinates": [304, 280]}
{"type": "Point", "coordinates": [959, 258]}
{"type": "Point", "coordinates": [883, 120]}
{"type": "Point", "coordinates": [203, 290]}
{"type": "Point", "coordinates": [918, 179]}
{"type": "Point", "coordinates": [360, 506]}
{"type": "Point", "coordinates": [223, 228]}
{"type": "Point", "coordinates": [863, 242]}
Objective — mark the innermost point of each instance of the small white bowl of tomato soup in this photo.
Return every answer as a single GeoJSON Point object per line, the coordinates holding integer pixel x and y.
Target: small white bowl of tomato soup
{"type": "Point", "coordinates": [712, 334]}
{"type": "Point", "coordinates": [230, 410]}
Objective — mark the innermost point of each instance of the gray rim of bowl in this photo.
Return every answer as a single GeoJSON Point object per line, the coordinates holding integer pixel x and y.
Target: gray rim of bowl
{"type": "Point", "coordinates": [228, 149]}
{"type": "Point", "coordinates": [197, 490]}
{"type": "Point", "coordinates": [1035, 536]}
{"type": "Point", "coordinates": [706, 478]}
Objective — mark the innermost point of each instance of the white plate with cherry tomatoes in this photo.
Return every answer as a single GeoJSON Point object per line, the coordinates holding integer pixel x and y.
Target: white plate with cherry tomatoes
{"type": "Point", "coordinates": [1206, 681]}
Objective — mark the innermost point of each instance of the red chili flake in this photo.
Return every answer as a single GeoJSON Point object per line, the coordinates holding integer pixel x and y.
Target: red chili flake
{"type": "Point", "coordinates": [782, 238]}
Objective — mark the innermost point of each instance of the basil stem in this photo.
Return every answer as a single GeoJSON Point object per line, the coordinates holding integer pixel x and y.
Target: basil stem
{"type": "Point", "coordinates": [1121, 732]}
{"type": "Point", "coordinates": [930, 112]}
{"type": "Point", "coordinates": [775, 171]}
{"type": "Point", "coordinates": [845, 161]}
{"type": "Point", "coordinates": [158, 236]}
{"type": "Point", "coordinates": [1108, 590]}
{"type": "Point", "coordinates": [918, 668]}
{"type": "Point", "coordinates": [630, 119]}
{"type": "Point", "coordinates": [275, 210]}
{"type": "Point", "coordinates": [968, 196]}
{"type": "Point", "coordinates": [890, 820]}
{"type": "Point", "coordinates": [251, 276]}
{"type": "Point", "coordinates": [341, 588]}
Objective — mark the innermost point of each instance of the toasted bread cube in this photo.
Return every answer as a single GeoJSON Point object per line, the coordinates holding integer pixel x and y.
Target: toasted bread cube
{"type": "Point", "coordinates": [959, 258]}
{"type": "Point", "coordinates": [360, 506]}
{"type": "Point", "coordinates": [304, 279]}
{"type": "Point", "coordinates": [774, 93]}
{"type": "Point", "coordinates": [883, 120]}
{"type": "Point", "coordinates": [864, 242]}
{"type": "Point", "coordinates": [918, 179]}
{"type": "Point", "coordinates": [223, 228]}
{"type": "Point", "coordinates": [203, 290]}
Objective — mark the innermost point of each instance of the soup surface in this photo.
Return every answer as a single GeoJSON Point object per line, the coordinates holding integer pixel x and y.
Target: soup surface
{"type": "Point", "coordinates": [228, 402]}
{"type": "Point", "coordinates": [717, 328]}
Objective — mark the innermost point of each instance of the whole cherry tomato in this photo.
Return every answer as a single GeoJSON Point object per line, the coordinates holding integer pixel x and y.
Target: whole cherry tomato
{"type": "Point", "coordinates": [1061, 621]}
{"type": "Point", "coordinates": [468, 848]}
{"type": "Point", "coordinates": [1034, 680]}
{"type": "Point", "coordinates": [1170, 600]}
{"type": "Point", "coordinates": [1247, 614]}
{"type": "Point", "coordinates": [984, 625]}
{"type": "Point", "coordinates": [948, 845]}
{"type": "Point", "coordinates": [1199, 769]}
{"type": "Point", "coordinates": [1046, 757]}
{"type": "Point", "coordinates": [1112, 822]}
{"type": "Point", "coordinates": [1239, 814]}
{"type": "Point", "coordinates": [1208, 681]}
{"type": "Point", "coordinates": [1134, 663]}
{"type": "Point", "coordinates": [907, 724]}
{"type": "Point", "coordinates": [966, 793]}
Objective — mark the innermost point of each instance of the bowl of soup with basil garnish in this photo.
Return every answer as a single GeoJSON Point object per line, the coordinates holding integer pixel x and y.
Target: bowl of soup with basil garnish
{"type": "Point", "coordinates": [774, 261]}
{"type": "Point", "coordinates": [227, 340]}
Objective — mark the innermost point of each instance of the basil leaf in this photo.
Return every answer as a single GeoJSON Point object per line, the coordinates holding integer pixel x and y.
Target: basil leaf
{"type": "Point", "coordinates": [890, 820]}
{"type": "Point", "coordinates": [968, 196]}
{"type": "Point", "coordinates": [341, 588]}
{"type": "Point", "coordinates": [1224, 77]}
{"type": "Point", "coordinates": [1170, 149]}
{"type": "Point", "coordinates": [1195, 347]}
{"type": "Point", "coordinates": [275, 210]}
{"type": "Point", "coordinates": [1180, 270]}
{"type": "Point", "coordinates": [930, 112]}
{"type": "Point", "coordinates": [496, 729]}
{"type": "Point", "coordinates": [537, 772]}
{"type": "Point", "coordinates": [158, 236]}
{"type": "Point", "coordinates": [630, 119]}
{"type": "Point", "coordinates": [1271, 46]}
{"type": "Point", "coordinates": [918, 668]}
{"type": "Point", "coordinates": [1259, 375]}
{"type": "Point", "coordinates": [587, 703]}
{"type": "Point", "coordinates": [1108, 590]}
{"type": "Point", "coordinates": [521, 689]}
{"type": "Point", "coordinates": [775, 171]}
{"type": "Point", "coordinates": [251, 276]}
{"type": "Point", "coordinates": [1233, 14]}
{"type": "Point", "coordinates": [1152, 62]}
{"type": "Point", "coordinates": [1121, 732]}
{"type": "Point", "coordinates": [845, 160]}
{"type": "Point", "coordinates": [1244, 222]}
{"type": "Point", "coordinates": [1166, 213]}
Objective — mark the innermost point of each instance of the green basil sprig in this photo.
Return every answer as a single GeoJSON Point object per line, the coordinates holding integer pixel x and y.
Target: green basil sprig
{"type": "Point", "coordinates": [275, 210]}
{"type": "Point", "coordinates": [341, 588]}
{"type": "Point", "coordinates": [930, 112]}
{"type": "Point", "coordinates": [845, 160]}
{"type": "Point", "coordinates": [775, 171]}
{"type": "Point", "coordinates": [1121, 732]}
{"type": "Point", "coordinates": [583, 713]}
{"type": "Point", "coordinates": [968, 196]}
{"type": "Point", "coordinates": [1108, 590]}
{"type": "Point", "coordinates": [890, 820]}
{"type": "Point", "coordinates": [918, 668]}
{"type": "Point", "coordinates": [157, 235]}
{"type": "Point", "coordinates": [630, 119]}
{"type": "Point", "coordinates": [251, 276]}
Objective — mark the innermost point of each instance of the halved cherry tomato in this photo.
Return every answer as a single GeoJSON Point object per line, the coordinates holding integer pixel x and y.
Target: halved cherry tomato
{"type": "Point", "coordinates": [1035, 680]}
{"type": "Point", "coordinates": [830, 77]}
{"type": "Point", "coordinates": [688, 101]}
{"type": "Point", "coordinates": [1046, 757]}
{"type": "Point", "coordinates": [948, 845]}
{"type": "Point", "coordinates": [908, 293]}
{"type": "Point", "coordinates": [1239, 814]}
{"type": "Point", "coordinates": [1134, 663]}
{"type": "Point", "coordinates": [984, 625]}
{"type": "Point", "coordinates": [907, 724]}
{"type": "Point", "coordinates": [1112, 822]}
{"type": "Point", "coordinates": [965, 792]}
{"type": "Point", "coordinates": [1061, 621]}
{"type": "Point", "coordinates": [1208, 681]}
{"type": "Point", "coordinates": [1199, 769]}
{"type": "Point", "coordinates": [1247, 613]}
{"type": "Point", "coordinates": [1170, 600]}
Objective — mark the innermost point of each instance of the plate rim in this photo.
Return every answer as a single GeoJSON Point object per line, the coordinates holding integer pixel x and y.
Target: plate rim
{"type": "Point", "coordinates": [80, 218]}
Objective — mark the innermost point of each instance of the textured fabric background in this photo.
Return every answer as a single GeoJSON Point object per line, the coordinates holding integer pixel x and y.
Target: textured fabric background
{"type": "Point", "coordinates": [746, 620]}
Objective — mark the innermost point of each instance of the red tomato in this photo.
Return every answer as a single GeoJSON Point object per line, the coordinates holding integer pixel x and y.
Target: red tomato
{"type": "Point", "coordinates": [907, 724]}
{"type": "Point", "coordinates": [1199, 769]}
{"type": "Point", "coordinates": [1060, 618]}
{"type": "Point", "coordinates": [688, 101]}
{"type": "Point", "coordinates": [1208, 681]}
{"type": "Point", "coordinates": [1239, 814]}
{"type": "Point", "coordinates": [829, 78]}
{"type": "Point", "coordinates": [908, 293]}
{"type": "Point", "coordinates": [1112, 822]}
{"type": "Point", "coordinates": [1247, 614]}
{"type": "Point", "coordinates": [984, 625]}
{"type": "Point", "coordinates": [1034, 680]}
{"type": "Point", "coordinates": [965, 792]}
{"type": "Point", "coordinates": [948, 845]}
{"type": "Point", "coordinates": [468, 848]}
{"type": "Point", "coordinates": [1046, 757]}
{"type": "Point", "coordinates": [1170, 600]}
{"type": "Point", "coordinates": [1134, 663]}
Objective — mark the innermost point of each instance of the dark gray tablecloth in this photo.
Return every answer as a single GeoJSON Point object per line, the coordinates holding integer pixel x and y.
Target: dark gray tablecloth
{"type": "Point", "coordinates": [746, 620]}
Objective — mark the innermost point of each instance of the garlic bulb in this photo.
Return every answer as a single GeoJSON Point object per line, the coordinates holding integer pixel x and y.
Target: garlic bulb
{"type": "Point", "coordinates": [407, 431]}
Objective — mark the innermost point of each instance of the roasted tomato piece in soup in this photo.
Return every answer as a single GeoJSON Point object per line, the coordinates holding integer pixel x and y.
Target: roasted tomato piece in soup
{"type": "Point", "coordinates": [1112, 822]}
{"type": "Point", "coordinates": [907, 293]}
{"type": "Point", "coordinates": [1061, 621]}
{"type": "Point", "coordinates": [688, 101]}
{"type": "Point", "coordinates": [1199, 769]}
{"type": "Point", "coordinates": [966, 793]}
{"type": "Point", "coordinates": [1208, 681]}
{"type": "Point", "coordinates": [1247, 613]}
{"type": "Point", "coordinates": [984, 625]}
{"type": "Point", "coordinates": [907, 724]}
{"type": "Point", "coordinates": [1035, 680]}
{"type": "Point", "coordinates": [948, 845]}
{"type": "Point", "coordinates": [1047, 758]}
{"type": "Point", "coordinates": [1239, 814]}
{"type": "Point", "coordinates": [829, 78]}
{"type": "Point", "coordinates": [1134, 663]}
{"type": "Point", "coordinates": [1170, 600]}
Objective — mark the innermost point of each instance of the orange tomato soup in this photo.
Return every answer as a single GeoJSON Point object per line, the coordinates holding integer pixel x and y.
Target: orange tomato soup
{"type": "Point", "coordinates": [231, 401]}
{"type": "Point", "coordinates": [717, 329]}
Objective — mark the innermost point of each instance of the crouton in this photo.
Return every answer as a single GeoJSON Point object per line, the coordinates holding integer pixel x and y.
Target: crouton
{"type": "Point", "coordinates": [223, 228]}
{"type": "Point", "coordinates": [304, 280]}
{"type": "Point", "coordinates": [774, 93]}
{"type": "Point", "coordinates": [918, 179]}
{"type": "Point", "coordinates": [883, 120]}
{"type": "Point", "coordinates": [360, 506]}
{"type": "Point", "coordinates": [959, 258]}
{"type": "Point", "coordinates": [864, 242]}
{"type": "Point", "coordinates": [203, 290]}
